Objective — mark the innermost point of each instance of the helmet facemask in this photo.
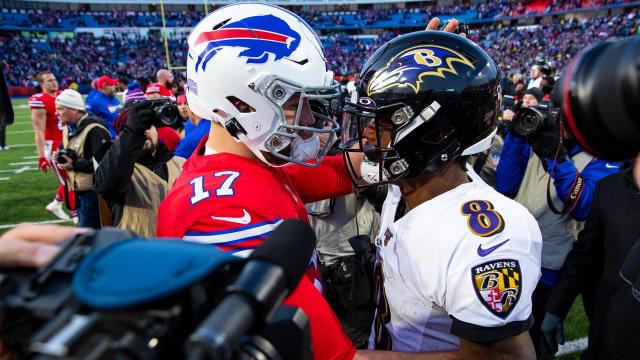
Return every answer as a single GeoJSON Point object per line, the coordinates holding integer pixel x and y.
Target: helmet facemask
{"type": "Point", "coordinates": [382, 163]}
{"type": "Point", "coordinates": [405, 153]}
{"type": "Point", "coordinates": [294, 137]}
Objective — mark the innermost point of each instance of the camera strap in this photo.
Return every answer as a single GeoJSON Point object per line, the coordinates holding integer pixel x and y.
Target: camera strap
{"type": "Point", "coordinates": [572, 199]}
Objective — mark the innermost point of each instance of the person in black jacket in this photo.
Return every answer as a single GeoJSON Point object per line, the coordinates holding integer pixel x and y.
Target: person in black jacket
{"type": "Point", "coordinates": [84, 138]}
{"type": "Point", "coordinates": [135, 174]}
{"type": "Point", "coordinates": [596, 258]}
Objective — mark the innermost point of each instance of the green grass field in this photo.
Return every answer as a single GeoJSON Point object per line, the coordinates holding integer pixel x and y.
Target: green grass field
{"type": "Point", "coordinates": [24, 192]}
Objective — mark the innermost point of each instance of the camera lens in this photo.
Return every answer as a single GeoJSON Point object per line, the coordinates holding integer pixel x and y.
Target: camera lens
{"type": "Point", "coordinates": [599, 93]}
{"type": "Point", "coordinates": [167, 114]}
{"type": "Point", "coordinates": [527, 121]}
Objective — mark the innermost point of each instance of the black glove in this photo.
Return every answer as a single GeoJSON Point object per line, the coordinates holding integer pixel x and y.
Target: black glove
{"type": "Point", "coordinates": [547, 144]}
{"type": "Point", "coordinates": [552, 331]}
{"type": "Point", "coordinates": [140, 118]}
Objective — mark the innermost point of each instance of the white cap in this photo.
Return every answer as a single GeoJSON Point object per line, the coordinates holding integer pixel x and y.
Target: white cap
{"type": "Point", "coordinates": [71, 99]}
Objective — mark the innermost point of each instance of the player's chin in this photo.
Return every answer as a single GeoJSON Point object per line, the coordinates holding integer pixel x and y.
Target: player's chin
{"type": "Point", "coordinates": [272, 159]}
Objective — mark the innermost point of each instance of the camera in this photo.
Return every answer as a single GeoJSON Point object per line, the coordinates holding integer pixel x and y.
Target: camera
{"type": "Point", "coordinates": [598, 93]}
{"type": "Point", "coordinates": [177, 300]}
{"type": "Point", "coordinates": [65, 152]}
{"type": "Point", "coordinates": [166, 111]}
{"type": "Point", "coordinates": [531, 120]}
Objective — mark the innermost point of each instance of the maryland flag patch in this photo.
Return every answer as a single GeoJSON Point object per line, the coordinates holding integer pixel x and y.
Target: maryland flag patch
{"type": "Point", "coordinates": [497, 284]}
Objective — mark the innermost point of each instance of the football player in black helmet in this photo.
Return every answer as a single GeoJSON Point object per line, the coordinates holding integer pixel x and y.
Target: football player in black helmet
{"type": "Point", "coordinates": [438, 103]}
{"type": "Point", "coordinates": [456, 269]}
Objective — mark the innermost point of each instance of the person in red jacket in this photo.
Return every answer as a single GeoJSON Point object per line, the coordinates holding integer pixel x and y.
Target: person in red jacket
{"type": "Point", "coordinates": [48, 136]}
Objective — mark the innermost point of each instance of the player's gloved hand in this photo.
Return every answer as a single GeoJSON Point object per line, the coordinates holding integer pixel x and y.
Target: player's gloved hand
{"type": "Point", "coordinates": [140, 118]}
{"type": "Point", "coordinates": [43, 164]}
{"type": "Point", "coordinates": [552, 331]}
{"type": "Point", "coordinates": [547, 145]}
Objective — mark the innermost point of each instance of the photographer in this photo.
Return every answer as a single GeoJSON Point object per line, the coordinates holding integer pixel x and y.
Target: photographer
{"type": "Point", "coordinates": [84, 138]}
{"type": "Point", "coordinates": [529, 165]}
{"type": "Point", "coordinates": [136, 173]}
{"type": "Point", "coordinates": [594, 263]}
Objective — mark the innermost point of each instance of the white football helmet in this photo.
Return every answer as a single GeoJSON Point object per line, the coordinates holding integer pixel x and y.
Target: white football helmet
{"type": "Point", "coordinates": [245, 62]}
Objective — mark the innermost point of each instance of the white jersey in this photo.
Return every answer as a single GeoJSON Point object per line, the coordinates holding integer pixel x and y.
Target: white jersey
{"type": "Point", "coordinates": [463, 264]}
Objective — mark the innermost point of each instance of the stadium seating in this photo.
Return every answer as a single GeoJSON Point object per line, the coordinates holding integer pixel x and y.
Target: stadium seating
{"type": "Point", "coordinates": [79, 57]}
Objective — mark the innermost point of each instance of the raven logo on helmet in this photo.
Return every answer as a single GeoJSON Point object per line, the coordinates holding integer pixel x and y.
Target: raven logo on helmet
{"type": "Point", "coordinates": [411, 65]}
{"type": "Point", "coordinates": [260, 36]}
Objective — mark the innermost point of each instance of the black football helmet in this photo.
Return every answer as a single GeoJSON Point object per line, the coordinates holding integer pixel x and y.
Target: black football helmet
{"type": "Point", "coordinates": [439, 93]}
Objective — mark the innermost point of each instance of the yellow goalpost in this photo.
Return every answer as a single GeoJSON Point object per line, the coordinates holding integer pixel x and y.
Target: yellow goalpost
{"type": "Point", "coordinates": [166, 41]}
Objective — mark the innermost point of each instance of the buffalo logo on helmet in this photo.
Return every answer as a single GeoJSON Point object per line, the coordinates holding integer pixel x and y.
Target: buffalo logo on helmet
{"type": "Point", "coordinates": [259, 36]}
{"type": "Point", "coordinates": [409, 67]}
{"type": "Point", "coordinates": [497, 284]}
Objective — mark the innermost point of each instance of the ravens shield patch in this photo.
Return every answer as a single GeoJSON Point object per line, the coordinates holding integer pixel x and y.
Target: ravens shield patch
{"type": "Point", "coordinates": [497, 284]}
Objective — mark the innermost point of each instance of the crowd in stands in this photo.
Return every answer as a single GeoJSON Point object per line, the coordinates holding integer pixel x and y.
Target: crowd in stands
{"type": "Point", "coordinates": [320, 19]}
{"type": "Point", "coordinates": [553, 43]}
{"type": "Point", "coordinates": [86, 56]}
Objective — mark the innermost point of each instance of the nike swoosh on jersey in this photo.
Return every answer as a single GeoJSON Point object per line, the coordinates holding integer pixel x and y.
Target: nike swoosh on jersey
{"type": "Point", "coordinates": [487, 251]}
{"type": "Point", "coordinates": [244, 220]}
{"type": "Point", "coordinates": [609, 166]}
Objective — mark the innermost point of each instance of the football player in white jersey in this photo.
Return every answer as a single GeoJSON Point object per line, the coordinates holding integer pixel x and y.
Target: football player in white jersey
{"type": "Point", "coordinates": [457, 262]}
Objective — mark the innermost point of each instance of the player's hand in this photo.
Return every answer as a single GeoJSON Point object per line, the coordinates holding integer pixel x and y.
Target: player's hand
{"type": "Point", "coordinates": [451, 26]}
{"type": "Point", "coordinates": [552, 331]}
{"type": "Point", "coordinates": [140, 118]}
{"type": "Point", "coordinates": [43, 164]}
{"type": "Point", "coordinates": [67, 165]}
{"type": "Point", "coordinates": [30, 245]}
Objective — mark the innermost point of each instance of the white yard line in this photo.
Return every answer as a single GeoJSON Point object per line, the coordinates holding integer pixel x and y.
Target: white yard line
{"type": "Point", "coordinates": [20, 170]}
{"type": "Point", "coordinates": [572, 346]}
{"type": "Point", "coordinates": [9, 226]}
{"type": "Point", "coordinates": [30, 157]}
{"type": "Point", "coordinates": [24, 163]}
{"type": "Point", "coordinates": [9, 132]}
{"type": "Point", "coordinates": [21, 145]}
{"type": "Point", "coordinates": [4, 178]}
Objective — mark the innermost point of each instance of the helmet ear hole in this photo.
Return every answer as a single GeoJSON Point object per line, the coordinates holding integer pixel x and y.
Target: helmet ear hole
{"type": "Point", "coordinates": [242, 106]}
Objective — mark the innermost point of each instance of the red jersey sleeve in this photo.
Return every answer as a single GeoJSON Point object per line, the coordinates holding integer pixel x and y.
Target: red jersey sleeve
{"type": "Point", "coordinates": [328, 180]}
{"type": "Point", "coordinates": [36, 102]}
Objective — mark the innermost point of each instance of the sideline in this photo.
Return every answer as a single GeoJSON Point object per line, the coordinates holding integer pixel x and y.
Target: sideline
{"type": "Point", "coordinates": [8, 226]}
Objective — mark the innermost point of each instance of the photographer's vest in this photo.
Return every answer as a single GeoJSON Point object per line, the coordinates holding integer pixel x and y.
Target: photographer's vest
{"type": "Point", "coordinates": [559, 232]}
{"type": "Point", "coordinates": [79, 181]}
{"type": "Point", "coordinates": [143, 199]}
{"type": "Point", "coordinates": [335, 226]}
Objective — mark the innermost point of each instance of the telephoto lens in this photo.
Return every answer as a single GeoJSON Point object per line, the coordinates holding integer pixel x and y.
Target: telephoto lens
{"type": "Point", "coordinates": [167, 114]}
{"type": "Point", "coordinates": [530, 120]}
{"type": "Point", "coordinates": [599, 94]}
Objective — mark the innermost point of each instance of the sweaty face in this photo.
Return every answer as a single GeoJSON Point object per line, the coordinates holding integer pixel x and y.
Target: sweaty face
{"type": "Point", "coordinates": [49, 83]}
